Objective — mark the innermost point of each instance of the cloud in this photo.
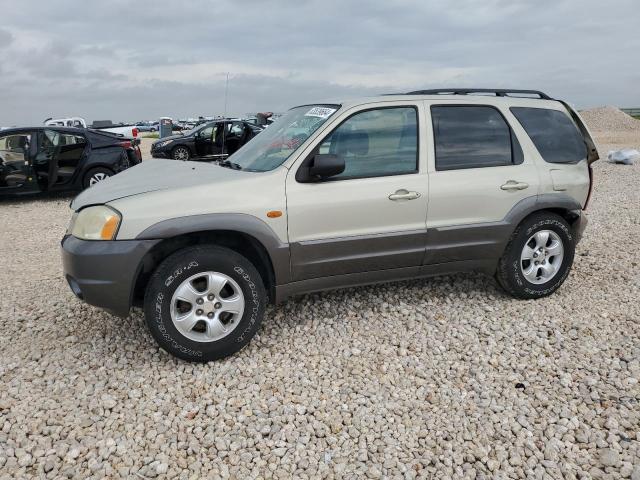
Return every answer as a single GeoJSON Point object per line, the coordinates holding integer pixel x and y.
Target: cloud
{"type": "Point", "coordinates": [5, 38]}
{"type": "Point", "coordinates": [172, 58]}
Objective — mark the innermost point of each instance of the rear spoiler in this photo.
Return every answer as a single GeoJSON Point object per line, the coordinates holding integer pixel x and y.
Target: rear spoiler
{"type": "Point", "coordinates": [592, 151]}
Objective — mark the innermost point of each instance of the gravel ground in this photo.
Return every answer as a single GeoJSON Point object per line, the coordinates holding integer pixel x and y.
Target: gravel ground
{"type": "Point", "coordinates": [438, 378]}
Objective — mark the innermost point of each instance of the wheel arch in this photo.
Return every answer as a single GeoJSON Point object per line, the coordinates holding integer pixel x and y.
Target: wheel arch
{"type": "Point", "coordinates": [558, 203]}
{"type": "Point", "coordinates": [241, 233]}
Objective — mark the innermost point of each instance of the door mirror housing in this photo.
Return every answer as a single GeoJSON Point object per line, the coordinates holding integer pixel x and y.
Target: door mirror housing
{"type": "Point", "coordinates": [321, 166]}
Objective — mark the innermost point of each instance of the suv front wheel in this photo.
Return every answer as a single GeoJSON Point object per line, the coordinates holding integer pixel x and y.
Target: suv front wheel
{"type": "Point", "coordinates": [538, 257]}
{"type": "Point", "coordinates": [204, 303]}
{"type": "Point", "coordinates": [181, 153]}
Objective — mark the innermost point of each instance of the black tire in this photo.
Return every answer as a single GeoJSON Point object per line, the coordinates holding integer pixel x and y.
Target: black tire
{"type": "Point", "coordinates": [181, 153]}
{"type": "Point", "coordinates": [509, 273]}
{"type": "Point", "coordinates": [182, 265]}
{"type": "Point", "coordinates": [90, 177]}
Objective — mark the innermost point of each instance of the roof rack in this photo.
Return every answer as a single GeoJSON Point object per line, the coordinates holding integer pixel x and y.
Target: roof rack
{"type": "Point", "coordinates": [498, 92]}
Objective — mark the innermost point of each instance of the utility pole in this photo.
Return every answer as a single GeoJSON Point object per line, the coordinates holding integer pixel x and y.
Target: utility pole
{"type": "Point", "coordinates": [224, 124]}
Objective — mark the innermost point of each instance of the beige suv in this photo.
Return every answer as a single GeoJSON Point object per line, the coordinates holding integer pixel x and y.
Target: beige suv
{"type": "Point", "coordinates": [335, 195]}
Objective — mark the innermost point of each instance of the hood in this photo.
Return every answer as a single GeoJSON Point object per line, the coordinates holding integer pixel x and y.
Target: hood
{"type": "Point", "coordinates": [170, 137]}
{"type": "Point", "coordinates": [151, 176]}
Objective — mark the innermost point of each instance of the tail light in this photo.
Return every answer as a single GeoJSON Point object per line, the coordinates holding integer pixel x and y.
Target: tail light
{"type": "Point", "coordinates": [125, 144]}
{"type": "Point", "coordinates": [134, 132]}
{"type": "Point", "coordinates": [138, 153]}
{"type": "Point", "coordinates": [590, 188]}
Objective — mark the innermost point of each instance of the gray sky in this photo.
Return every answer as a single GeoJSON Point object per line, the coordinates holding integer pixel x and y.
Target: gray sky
{"type": "Point", "coordinates": [127, 60]}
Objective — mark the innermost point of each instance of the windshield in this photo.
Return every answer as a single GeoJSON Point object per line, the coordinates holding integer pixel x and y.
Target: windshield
{"type": "Point", "coordinates": [276, 143]}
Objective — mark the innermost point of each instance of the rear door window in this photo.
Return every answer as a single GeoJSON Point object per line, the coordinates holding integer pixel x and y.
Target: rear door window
{"type": "Point", "coordinates": [470, 136]}
{"type": "Point", "coordinates": [553, 133]}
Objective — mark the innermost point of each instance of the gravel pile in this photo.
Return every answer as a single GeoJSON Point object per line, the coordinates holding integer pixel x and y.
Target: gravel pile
{"type": "Point", "coordinates": [442, 378]}
{"type": "Point", "coordinates": [610, 118]}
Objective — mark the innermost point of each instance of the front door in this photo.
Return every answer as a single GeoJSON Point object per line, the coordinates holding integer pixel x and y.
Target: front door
{"type": "Point", "coordinates": [205, 141]}
{"type": "Point", "coordinates": [235, 138]}
{"type": "Point", "coordinates": [370, 217]}
{"type": "Point", "coordinates": [15, 168]}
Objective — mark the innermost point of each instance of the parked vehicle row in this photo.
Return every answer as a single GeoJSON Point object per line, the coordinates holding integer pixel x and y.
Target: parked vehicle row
{"type": "Point", "coordinates": [122, 129]}
{"type": "Point", "coordinates": [334, 195]}
{"type": "Point", "coordinates": [39, 159]}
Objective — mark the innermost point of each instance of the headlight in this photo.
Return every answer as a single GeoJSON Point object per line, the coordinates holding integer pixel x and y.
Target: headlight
{"type": "Point", "coordinates": [95, 223]}
{"type": "Point", "coordinates": [163, 144]}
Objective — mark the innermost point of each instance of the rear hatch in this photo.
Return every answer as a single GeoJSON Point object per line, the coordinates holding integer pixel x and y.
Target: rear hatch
{"type": "Point", "coordinates": [592, 151]}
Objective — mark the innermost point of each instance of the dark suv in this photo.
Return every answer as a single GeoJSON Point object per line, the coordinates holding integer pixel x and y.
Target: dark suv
{"type": "Point", "coordinates": [38, 159]}
{"type": "Point", "coordinates": [211, 141]}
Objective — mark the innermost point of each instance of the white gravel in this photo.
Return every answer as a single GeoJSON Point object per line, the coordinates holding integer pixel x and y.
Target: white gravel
{"type": "Point", "coordinates": [610, 118]}
{"type": "Point", "coordinates": [438, 378]}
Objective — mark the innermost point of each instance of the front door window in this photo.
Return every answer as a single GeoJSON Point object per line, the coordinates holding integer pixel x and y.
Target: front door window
{"type": "Point", "coordinates": [375, 143]}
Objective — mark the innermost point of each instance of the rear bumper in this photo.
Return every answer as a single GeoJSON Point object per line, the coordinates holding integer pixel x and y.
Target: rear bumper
{"type": "Point", "coordinates": [103, 273]}
{"type": "Point", "coordinates": [578, 226]}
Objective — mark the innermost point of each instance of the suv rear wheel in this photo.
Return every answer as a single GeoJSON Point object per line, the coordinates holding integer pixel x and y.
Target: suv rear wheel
{"type": "Point", "coordinates": [538, 257]}
{"type": "Point", "coordinates": [204, 303]}
{"type": "Point", "coordinates": [95, 175]}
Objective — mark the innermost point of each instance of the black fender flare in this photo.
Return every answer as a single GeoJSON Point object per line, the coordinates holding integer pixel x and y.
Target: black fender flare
{"type": "Point", "coordinates": [232, 222]}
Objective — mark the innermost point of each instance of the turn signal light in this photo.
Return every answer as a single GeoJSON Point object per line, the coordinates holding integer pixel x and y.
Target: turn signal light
{"type": "Point", "coordinates": [274, 214]}
{"type": "Point", "coordinates": [109, 229]}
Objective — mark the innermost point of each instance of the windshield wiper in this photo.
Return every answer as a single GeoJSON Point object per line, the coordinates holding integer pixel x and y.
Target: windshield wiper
{"type": "Point", "coordinates": [228, 164]}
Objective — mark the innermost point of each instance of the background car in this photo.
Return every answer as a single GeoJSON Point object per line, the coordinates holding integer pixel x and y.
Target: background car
{"type": "Point", "coordinates": [211, 141]}
{"type": "Point", "coordinates": [38, 159]}
{"type": "Point", "coordinates": [147, 126]}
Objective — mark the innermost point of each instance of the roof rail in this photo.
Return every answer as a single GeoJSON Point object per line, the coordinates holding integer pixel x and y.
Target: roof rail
{"type": "Point", "coordinates": [498, 92]}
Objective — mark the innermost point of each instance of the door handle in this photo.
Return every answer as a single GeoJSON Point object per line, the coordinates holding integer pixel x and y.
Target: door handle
{"type": "Point", "coordinates": [513, 185]}
{"type": "Point", "coordinates": [403, 194]}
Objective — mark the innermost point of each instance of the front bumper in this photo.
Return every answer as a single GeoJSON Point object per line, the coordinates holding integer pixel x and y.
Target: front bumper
{"type": "Point", "coordinates": [103, 273]}
{"type": "Point", "coordinates": [160, 152]}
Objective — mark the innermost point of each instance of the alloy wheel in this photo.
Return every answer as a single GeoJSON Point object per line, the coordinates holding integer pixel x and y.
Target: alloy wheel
{"type": "Point", "coordinates": [542, 256]}
{"type": "Point", "coordinates": [207, 306]}
{"type": "Point", "coordinates": [97, 177]}
{"type": "Point", "coordinates": [181, 153]}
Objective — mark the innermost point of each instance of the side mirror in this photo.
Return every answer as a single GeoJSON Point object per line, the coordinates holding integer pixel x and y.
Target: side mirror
{"type": "Point", "coordinates": [324, 166]}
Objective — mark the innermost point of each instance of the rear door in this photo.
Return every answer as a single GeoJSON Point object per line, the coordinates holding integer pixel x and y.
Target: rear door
{"type": "Point", "coordinates": [15, 168]}
{"type": "Point", "coordinates": [478, 171]}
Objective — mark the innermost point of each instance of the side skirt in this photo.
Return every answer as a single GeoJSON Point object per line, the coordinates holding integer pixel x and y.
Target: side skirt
{"type": "Point", "coordinates": [381, 276]}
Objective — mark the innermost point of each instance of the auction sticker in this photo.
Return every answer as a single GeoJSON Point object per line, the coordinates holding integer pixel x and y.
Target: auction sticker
{"type": "Point", "coordinates": [322, 112]}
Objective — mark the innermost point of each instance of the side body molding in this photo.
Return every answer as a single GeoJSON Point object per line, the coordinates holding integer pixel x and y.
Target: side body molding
{"type": "Point", "coordinates": [488, 240]}
{"type": "Point", "coordinates": [232, 222]}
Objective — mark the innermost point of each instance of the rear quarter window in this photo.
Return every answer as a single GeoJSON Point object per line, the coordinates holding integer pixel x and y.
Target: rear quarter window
{"type": "Point", "coordinates": [553, 133]}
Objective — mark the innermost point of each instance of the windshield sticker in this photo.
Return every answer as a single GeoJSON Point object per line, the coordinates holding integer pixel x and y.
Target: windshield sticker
{"type": "Point", "coordinates": [322, 112]}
